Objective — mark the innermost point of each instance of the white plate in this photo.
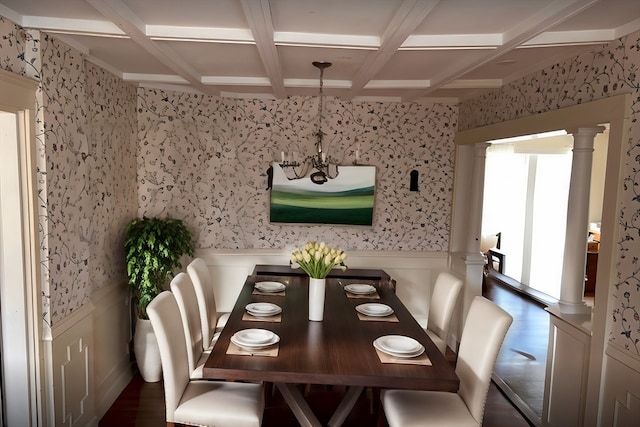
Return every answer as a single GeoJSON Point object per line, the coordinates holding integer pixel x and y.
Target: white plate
{"type": "Point", "coordinates": [418, 352]}
{"type": "Point", "coordinates": [374, 309]}
{"type": "Point", "coordinates": [398, 344]}
{"type": "Point", "coordinates": [270, 286]}
{"type": "Point", "coordinates": [254, 338]}
{"type": "Point", "coordinates": [263, 309]}
{"type": "Point", "coordinates": [360, 289]}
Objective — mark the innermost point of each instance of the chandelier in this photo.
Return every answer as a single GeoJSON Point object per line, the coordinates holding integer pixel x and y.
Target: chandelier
{"type": "Point", "coordinates": [325, 167]}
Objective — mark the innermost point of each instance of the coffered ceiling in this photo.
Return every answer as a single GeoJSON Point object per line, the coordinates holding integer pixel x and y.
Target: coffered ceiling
{"type": "Point", "coordinates": [380, 49]}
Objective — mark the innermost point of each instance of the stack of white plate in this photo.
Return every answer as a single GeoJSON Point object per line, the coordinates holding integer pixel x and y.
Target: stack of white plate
{"type": "Point", "coordinates": [399, 346]}
{"type": "Point", "coordinates": [374, 309]}
{"type": "Point", "coordinates": [360, 289]}
{"type": "Point", "coordinates": [254, 338]}
{"type": "Point", "coordinates": [263, 309]}
{"type": "Point", "coordinates": [270, 287]}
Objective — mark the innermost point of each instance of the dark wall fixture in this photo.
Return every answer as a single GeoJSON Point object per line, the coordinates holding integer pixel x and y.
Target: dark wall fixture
{"type": "Point", "coordinates": [413, 183]}
{"type": "Point", "coordinates": [269, 177]}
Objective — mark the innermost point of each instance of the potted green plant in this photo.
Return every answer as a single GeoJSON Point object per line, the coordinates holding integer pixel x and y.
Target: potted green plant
{"type": "Point", "coordinates": [153, 248]}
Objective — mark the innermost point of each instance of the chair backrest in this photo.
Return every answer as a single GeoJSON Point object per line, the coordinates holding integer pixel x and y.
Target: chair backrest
{"type": "Point", "coordinates": [164, 314]}
{"type": "Point", "coordinates": [199, 274]}
{"type": "Point", "coordinates": [185, 295]}
{"type": "Point", "coordinates": [482, 336]}
{"type": "Point", "coordinates": [443, 301]}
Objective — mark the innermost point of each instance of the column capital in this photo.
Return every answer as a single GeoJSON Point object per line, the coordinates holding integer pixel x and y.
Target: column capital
{"type": "Point", "coordinates": [480, 148]}
{"type": "Point", "coordinates": [586, 131]}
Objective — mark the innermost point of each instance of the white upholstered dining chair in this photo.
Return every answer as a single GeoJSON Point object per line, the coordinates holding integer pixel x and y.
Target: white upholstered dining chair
{"type": "Point", "coordinates": [187, 301]}
{"type": "Point", "coordinates": [210, 320]}
{"type": "Point", "coordinates": [441, 306]}
{"type": "Point", "coordinates": [482, 337]}
{"type": "Point", "coordinates": [202, 403]}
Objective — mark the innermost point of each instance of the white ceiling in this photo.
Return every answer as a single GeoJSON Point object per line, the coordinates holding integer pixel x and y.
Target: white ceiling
{"type": "Point", "coordinates": [380, 49]}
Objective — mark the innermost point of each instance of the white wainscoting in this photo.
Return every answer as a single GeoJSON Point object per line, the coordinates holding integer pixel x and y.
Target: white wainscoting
{"type": "Point", "coordinates": [621, 390]}
{"type": "Point", "coordinates": [414, 272]}
{"type": "Point", "coordinates": [90, 358]}
{"type": "Point", "coordinates": [112, 320]}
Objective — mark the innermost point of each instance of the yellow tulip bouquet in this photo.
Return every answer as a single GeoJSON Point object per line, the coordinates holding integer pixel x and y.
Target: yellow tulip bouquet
{"type": "Point", "coordinates": [317, 259]}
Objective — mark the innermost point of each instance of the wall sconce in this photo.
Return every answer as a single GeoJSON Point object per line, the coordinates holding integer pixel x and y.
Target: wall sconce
{"type": "Point", "coordinates": [413, 183]}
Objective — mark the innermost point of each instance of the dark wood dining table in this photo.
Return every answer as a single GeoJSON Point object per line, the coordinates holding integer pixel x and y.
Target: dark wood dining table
{"type": "Point", "coordinates": [337, 350]}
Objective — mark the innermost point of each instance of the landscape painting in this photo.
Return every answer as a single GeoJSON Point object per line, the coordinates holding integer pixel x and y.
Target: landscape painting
{"type": "Point", "coordinates": [347, 199]}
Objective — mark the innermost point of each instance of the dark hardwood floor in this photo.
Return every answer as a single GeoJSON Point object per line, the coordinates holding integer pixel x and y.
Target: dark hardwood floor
{"type": "Point", "coordinates": [142, 404]}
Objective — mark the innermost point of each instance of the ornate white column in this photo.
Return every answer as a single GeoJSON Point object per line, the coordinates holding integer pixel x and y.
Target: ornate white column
{"type": "Point", "coordinates": [575, 248]}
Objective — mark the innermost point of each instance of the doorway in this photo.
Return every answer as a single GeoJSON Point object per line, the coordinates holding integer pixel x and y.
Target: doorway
{"type": "Point", "coordinates": [19, 256]}
{"type": "Point", "coordinates": [467, 217]}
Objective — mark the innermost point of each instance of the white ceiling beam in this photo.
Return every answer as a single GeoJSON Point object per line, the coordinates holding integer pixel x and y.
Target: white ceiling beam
{"type": "Point", "coordinates": [628, 28]}
{"type": "Point", "coordinates": [154, 78]}
{"type": "Point", "coordinates": [474, 84]}
{"type": "Point", "coordinates": [258, 14]}
{"type": "Point", "coordinates": [548, 17]}
{"type": "Point", "coordinates": [73, 26]}
{"type": "Point", "coordinates": [423, 41]}
{"type": "Point", "coordinates": [561, 38]}
{"type": "Point", "coordinates": [349, 41]}
{"type": "Point", "coordinates": [397, 84]}
{"type": "Point", "coordinates": [118, 12]}
{"type": "Point", "coordinates": [236, 81]}
{"type": "Point", "coordinates": [408, 17]}
{"type": "Point", "coordinates": [331, 84]}
{"type": "Point", "coordinates": [219, 35]}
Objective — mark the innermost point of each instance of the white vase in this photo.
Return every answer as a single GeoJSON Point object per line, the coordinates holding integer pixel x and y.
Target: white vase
{"type": "Point", "coordinates": [316, 299]}
{"type": "Point", "coordinates": [145, 348]}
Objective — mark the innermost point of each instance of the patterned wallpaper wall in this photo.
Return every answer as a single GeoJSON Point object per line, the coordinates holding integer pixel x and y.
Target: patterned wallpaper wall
{"type": "Point", "coordinates": [204, 159]}
{"type": "Point", "coordinates": [87, 168]}
{"type": "Point", "coordinates": [605, 72]}
{"type": "Point", "coordinates": [90, 139]}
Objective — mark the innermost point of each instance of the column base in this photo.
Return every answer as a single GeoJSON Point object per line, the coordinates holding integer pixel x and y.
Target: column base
{"type": "Point", "coordinates": [573, 307]}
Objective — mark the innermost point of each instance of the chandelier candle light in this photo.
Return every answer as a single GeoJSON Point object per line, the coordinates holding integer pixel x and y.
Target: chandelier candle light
{"type": "Point", "coordinates": [317, 260]}
{"type": "Point", "coordinates": [325, 166]}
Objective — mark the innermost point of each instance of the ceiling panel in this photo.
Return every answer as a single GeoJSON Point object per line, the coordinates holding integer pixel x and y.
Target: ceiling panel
{"type": "Point", "coordinates": [192, 13]}
{"type": "Point", "coordinates": [216, 59]}
{"type": "Point", "coordinates": [478, 17]}
{"type": "Point", "coordinates": [122, 54]}
{"type": "Point", "coordinates": [297, 62]}
{"type": "Point", "coordinates": [359, 17]}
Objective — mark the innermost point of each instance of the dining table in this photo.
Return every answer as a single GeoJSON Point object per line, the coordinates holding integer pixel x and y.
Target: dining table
{"type": "Point", "coordinates": [342, 349]}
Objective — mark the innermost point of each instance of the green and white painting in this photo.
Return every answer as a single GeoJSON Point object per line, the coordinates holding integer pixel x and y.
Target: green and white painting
{"type": "Point", "coordinates": [347, 199]}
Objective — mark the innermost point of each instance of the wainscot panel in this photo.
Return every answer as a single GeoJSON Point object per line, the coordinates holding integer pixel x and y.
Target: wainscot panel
{"type": "Point", "coordinates": [112, 320]}
{"type": "Point", "coordinates": [90, 357]}
{"type": "Point", "coordinates": [621, 394]}
{"type": "Point", "coordinates": [72, 361]}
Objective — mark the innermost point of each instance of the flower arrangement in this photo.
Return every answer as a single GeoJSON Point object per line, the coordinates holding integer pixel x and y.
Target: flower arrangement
{"type": "Point", "coordinates": [317, 259]}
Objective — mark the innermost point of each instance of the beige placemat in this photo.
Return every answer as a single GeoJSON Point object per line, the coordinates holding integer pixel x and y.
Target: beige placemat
{"type": "Point", "coordinates": [269, 294]}
{"type": "Point", "coordinates": [251, 318]}
{"type": "Point", "coordinates": [370, 296]}
{"type": "Point", "coordinates": [423, 359]}
{"type": "Point", "coordinates": [271, 351]}
{"type": "Point", "coordinates": [390, 318]}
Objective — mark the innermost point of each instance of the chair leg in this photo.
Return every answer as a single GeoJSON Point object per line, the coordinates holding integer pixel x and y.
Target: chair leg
{"type": "Point", "coordinates": [382, 420]}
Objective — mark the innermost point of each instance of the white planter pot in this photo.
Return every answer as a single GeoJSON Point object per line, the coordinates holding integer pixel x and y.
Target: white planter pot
{"type": "Point", "coordinates": [316, 299]}
{"type": "Point", "coordinates": [145, 348]}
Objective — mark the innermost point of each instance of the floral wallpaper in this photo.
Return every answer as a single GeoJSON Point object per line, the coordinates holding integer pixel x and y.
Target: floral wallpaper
{"type": "Point", "coordinates": [205, 159]}
{"type": "Point", "coordinates": [86, 135]}
{"type": "Point", "coordinates": [609, 71]}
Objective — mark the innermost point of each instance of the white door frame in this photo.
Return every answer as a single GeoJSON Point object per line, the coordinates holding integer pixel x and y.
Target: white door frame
{"type": "Point", "coordinates": [20, 257]}
{"type": "Point", "coordinates": [613, 110]}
